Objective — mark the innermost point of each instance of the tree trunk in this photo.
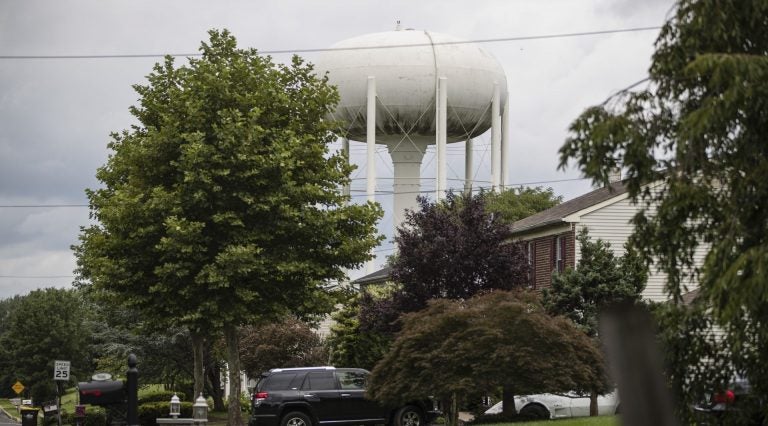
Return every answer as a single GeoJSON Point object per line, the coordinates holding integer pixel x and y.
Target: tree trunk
{"type": "Point", "coordinates": [198, 341]}
{"type": "Point", "coordinates": [449, 406]}
{"type": "Point", "coordinates": [593, 404]}
{"type": "Point", "coordinates": [232, 337]}
{"type": "Point", "coordinates": [213, 372]}
{"type": "Point", "coordinates": [508, 396]}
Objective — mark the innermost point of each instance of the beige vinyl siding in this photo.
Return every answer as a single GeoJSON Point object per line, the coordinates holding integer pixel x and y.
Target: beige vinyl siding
{"type": "Point", "coordinates": [611, 223]}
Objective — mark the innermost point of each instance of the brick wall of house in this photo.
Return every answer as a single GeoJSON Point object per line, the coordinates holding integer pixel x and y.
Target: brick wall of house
{"type": "Point", "coordinates": [544, 264]}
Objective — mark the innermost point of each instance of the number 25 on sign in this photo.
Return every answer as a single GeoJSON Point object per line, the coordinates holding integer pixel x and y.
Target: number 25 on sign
{"type": "Point", "coordinates": [61, 370]}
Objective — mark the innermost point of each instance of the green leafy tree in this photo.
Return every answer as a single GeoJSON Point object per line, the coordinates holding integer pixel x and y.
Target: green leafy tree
{"type": "Point", "coordinates": [221, 207]}
{"type": "Point", "coordinates": [700, 129]}
{"type": "Point", "coordinates": [518, 203]}
{"type": "Point", "coordinates": [454, 348]}
{"type": "Point", "coordinates": [43, 326]}
{"type": "Point", "coordinates": [599, 281]}
{"type": "Point", "coordinates": [349, 344]}
{"type": "Point", "coordinates": [287, 343]}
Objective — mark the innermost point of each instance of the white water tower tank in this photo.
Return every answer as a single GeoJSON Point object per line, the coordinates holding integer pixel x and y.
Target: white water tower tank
{"type": "Point", "coordinates": [407, 82]}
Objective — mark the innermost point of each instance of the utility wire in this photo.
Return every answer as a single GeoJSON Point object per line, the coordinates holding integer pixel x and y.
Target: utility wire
{"type": "Point", "coordinates": [24, 206]}
{"type": "Point", "coordinates": [330, 49]}
{"type": "Point", "coordinates": [42, 277]}
{"type": "Point", "coordinates": [474, 188]}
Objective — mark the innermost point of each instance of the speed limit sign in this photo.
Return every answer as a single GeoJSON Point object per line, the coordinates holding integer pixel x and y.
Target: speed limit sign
{"type": "Point", "coordinates": [61, 370]}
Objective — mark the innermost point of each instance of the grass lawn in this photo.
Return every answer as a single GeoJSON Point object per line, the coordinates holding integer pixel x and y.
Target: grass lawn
{"type": "Point", "coordinates": [8, 407]}
{"type": "Point", "coordinates": [581, 421]}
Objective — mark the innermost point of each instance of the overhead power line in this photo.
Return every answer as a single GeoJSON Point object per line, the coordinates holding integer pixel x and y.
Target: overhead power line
{"type": "Point", "coordinates": [25, 206]}
{"type": "Point", "coordinates": [328, 49]}
{"type": "Point", "coordinates": [45, 206]}
{"type": "Point", "coordinates": [40, 277]}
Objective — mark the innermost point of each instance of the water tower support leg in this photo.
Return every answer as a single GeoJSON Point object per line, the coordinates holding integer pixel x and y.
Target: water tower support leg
{"type": "Point", "coordinates": [468, 166]}
{"type": "Point", "coordinates": [505, 144]}
{"type": "Point", "coordinates": [442, 136]}
{"type": "Point", "coordinates": [371, 151]}
{"type": "Point", "coordinates": [496, 138]}
{"type": "Point", "coordinates": [371, 140]}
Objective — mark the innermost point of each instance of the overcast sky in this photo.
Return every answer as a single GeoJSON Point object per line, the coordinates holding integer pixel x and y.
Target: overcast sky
{"type": "Point", "coordinates": [56, 114]}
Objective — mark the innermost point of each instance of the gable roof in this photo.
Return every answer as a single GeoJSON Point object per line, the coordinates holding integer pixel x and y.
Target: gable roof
{"type": "Point", "coordinates": [556, 214]}
{"type": "Point", "coordinates": [377, 277]}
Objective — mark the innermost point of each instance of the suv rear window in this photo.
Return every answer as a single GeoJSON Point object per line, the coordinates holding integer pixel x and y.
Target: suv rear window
{"type": "Point", "coordinates": [280, 381]}
{"type": "Point", "coordinates": [320, 380]}
{"type": "Point", "coordinates": [352, 380]}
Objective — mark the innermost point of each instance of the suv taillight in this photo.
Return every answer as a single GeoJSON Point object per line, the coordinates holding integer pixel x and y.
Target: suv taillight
{"type": "Point", "coordinates": [726, 397]}
{"type": "Point", "coordinates": [259, 396]}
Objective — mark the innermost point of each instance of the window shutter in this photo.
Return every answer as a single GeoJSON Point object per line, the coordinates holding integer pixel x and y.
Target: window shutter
{"type": "Point", "coordinates": [562, 253]}
{"type": "Point", "coordinates": [533, 264]}
{"type": "Point", "coordinates": [553, 253]}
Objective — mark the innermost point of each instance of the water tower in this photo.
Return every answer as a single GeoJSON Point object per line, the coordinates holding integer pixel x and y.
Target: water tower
{"type": "Point", "coordinates": [408, 89]}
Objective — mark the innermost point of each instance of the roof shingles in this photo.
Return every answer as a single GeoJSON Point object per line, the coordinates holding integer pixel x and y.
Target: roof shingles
{"type": "Point", "coordinates": [556, 214]}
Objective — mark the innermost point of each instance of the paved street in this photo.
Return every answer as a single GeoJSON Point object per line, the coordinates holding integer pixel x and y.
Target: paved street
{"type": "Point", "coordinates": [4, 420]}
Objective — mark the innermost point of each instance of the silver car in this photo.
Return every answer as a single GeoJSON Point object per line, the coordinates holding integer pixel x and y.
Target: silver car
{"type": "Point", "coordinates": [558, 406]}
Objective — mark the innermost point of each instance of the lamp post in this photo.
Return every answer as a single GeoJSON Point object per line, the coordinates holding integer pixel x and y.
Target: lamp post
{"type": "Point", "coordinates": [200, 410]}
{"type": "Point", "coordinates": [175, 406]}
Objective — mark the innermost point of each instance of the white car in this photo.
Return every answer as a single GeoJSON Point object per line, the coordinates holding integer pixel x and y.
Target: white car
{"type": "Point", "coordinates": [558, 406]}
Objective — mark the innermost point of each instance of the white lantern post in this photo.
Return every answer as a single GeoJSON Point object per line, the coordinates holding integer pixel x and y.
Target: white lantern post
{"type": "Point", "coordinates": [175, 406]}
{"type": "Point", "coordinates": [200, 410]}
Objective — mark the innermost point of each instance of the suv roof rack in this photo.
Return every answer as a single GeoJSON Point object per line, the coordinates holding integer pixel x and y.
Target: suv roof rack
{"type": "Point", "coordinates": [277, 370]}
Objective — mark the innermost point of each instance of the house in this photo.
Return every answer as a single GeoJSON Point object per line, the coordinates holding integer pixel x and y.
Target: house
{"type": "Point", "coordinates": [550, 238]}
{"type": "Point", "coordinates": [550, 235]}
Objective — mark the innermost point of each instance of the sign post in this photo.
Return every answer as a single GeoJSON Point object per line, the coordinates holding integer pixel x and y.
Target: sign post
{"type": "Point", "coordinates": [60, 374]}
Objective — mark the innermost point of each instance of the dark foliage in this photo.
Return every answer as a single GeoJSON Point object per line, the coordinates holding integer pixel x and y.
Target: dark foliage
{"type": "Point", "coordinates": [39, 328]}
{"type": "Point", "coordinates": [288, 343]}
{"type": "Point", "coordinates": [453, 249]}
{"type": "Point", "coordinates": [498, 339]}
{"type": "Point", "coordinates": [94, 416]}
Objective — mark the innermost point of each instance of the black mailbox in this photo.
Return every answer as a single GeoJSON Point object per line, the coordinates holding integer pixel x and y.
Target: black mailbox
{"type": "Point", "coordinates": [102, 392]}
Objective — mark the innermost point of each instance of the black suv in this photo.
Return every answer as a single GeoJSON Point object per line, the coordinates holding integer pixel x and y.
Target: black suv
{"type": "Point", "coordinates": [326, 395]}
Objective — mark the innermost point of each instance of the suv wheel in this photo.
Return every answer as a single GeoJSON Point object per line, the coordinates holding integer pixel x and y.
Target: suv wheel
{"type": "Point", "coordinates": [409, 416]}
{"type": "Point", "coordinates": [296, 418]}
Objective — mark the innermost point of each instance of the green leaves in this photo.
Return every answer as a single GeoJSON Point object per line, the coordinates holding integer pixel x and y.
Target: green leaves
{"type": "Point", "coordinates": [518, 203]}
{"type": "Point", "coordinates": [600, 280]}
{"type": "Point", "coordinates": [500, 338]}
{"type": "Point", "coordinates": [225, 193]}
{"type": "Point", "coordinates": [694, 147]}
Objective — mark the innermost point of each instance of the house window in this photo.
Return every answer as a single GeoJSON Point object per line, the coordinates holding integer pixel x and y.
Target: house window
{"type": "Point", "coordinates": [560, 253]}
{"type": "Point", "coordinates": [531, 248]}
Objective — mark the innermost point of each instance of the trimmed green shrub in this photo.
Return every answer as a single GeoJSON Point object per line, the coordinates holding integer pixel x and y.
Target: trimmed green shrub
{"type": "Point", "coordinates": [94, 416]}
{"type": "Point", "coordinates": [160, 396]}
{"type": "Point", "coordinates": [151, 411]}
